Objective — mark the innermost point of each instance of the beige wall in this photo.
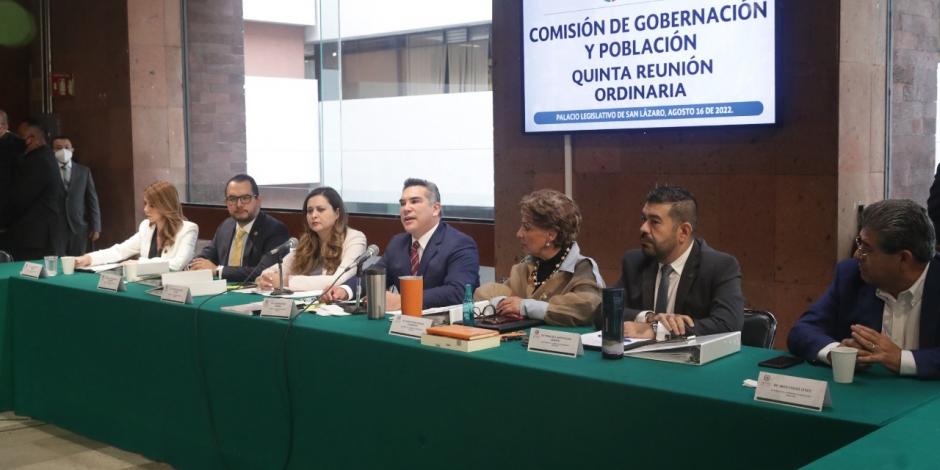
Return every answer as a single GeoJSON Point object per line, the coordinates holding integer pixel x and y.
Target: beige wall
{"type": "Point", "coordinates": [156, 84]}
{"type": "Point", "coordinates": [274, 50]}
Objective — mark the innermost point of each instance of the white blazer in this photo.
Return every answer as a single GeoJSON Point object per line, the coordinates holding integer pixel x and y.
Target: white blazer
{"type": "Point", "coordinates": [178, 255]}
{"type": "Point", "coordinates": [353, 246]}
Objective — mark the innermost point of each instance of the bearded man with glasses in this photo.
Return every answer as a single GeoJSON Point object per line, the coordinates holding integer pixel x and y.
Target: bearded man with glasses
{"type": "Point", "coordinates": [238, 247]}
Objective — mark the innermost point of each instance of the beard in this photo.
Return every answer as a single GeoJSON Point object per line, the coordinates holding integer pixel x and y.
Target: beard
{"type": "Point", "coordinates": [659, 250]}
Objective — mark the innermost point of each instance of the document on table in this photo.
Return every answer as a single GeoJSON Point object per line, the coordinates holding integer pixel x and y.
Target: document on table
{"type": "Point", "coordinates": [296, 295]}
{"type": "Point", "coordinates": [99, 268]}
{"type": "Point", "coordinates": [593, 340]}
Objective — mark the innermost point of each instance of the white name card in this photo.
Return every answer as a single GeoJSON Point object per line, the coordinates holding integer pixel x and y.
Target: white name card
{"type": "Point", "coordinates": [33, 270]}
{"type": "Point", "coordinates": [280, 308]}
{"type": "Point", "coordinates": [177, 294]}
{"type": "Point", "coordinates": [555, 342]}
{"type": "Point", "coordinates": [111, 282]}
{"type": "Point", "coordinates": [409, 327]}
{"type": "Point", "coordinates": [792, 391]}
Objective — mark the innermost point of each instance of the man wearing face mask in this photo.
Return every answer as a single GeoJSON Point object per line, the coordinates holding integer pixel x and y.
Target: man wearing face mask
{"type": "Point", "coordinates": [81, 217]}
{"type": "Point", "coordinates": [35, 195]}
{"type": "Point", "coordinates": [11, 147]}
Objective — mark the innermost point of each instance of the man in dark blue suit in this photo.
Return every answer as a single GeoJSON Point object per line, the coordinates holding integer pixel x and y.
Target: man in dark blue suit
{"type": "Point", "coordinates": [447, 258]}
{"type": "Point", "coordinates": [885, 301]}
{"type": "Point", "coordinates": [240, 243]}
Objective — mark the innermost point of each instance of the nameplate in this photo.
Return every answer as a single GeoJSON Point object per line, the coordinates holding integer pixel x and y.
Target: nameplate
{"type": "Point", "coordinates": [280, 308]}
{"type": "Point", "coordinates": [177, 294]}
{"type": "Point", "coordinates": [111, 282]}
{"type": "Point", "coordinates": [559, 343]}
{"type": "Point", "coordinates": [33, 270]}
{"type": "Point", "coordinates": [787, 390]}
{"type": "Point", "coordinates": [409, 327]}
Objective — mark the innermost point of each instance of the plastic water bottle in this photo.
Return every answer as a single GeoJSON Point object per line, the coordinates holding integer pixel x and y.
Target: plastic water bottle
{"type": "Point", "coordinates": [468, 306]}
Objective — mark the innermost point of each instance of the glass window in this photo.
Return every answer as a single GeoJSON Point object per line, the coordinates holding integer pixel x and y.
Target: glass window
{"type": "Point", "coordinates": [360, 95]}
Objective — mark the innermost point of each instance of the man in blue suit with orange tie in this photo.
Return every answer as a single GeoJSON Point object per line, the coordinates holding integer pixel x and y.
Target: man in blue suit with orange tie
{"type": "Point", "coordinates": [446, 258]}
{"type": "Point", "coordinates": [885, 301]}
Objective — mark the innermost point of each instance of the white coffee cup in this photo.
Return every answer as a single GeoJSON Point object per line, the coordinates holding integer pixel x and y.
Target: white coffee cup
{"type": "Point", "coordinates": [68, 265]}
{"type": "Point", "coordinates": [130, 271]}
{"type": "Point", "coordinates": [843, 364]}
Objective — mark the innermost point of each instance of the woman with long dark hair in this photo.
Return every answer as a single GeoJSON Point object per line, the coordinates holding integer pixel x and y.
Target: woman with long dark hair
{"type": "Point", "coordinates": [326, 248]}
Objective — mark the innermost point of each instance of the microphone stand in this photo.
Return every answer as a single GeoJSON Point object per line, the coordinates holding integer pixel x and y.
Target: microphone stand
{"type": "Point", "coordinates": [358, 286]}
{"type": "Point", "coordinates": [280, 273]}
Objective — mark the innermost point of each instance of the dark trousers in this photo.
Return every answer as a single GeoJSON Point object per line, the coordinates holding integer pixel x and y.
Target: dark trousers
{"type": "Point", "coordinates": [77, 244]}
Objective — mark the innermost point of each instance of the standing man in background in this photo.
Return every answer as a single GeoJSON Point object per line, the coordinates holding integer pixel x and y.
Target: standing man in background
{"type": "Point", "coordinates": [35, 195]}
{"type": "Point", "coordinates": [80, 220]}
{"type": "Point", "coordinates": [11, 147]}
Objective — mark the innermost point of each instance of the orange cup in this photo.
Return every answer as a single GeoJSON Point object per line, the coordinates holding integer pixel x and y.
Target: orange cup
{"type": "Point", "coordinates": [412, 295]}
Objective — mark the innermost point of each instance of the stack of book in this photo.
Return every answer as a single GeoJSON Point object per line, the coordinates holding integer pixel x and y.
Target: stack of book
{"type": "Point", "coordinates": [460, 338]}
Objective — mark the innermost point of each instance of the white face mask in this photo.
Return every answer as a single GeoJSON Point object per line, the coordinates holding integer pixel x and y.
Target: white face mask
{"type": "Point", "coordinates": [63, 156]}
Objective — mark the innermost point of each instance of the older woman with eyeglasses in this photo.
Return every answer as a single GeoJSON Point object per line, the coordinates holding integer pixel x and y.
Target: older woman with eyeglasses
{"type": "Point", "coordinates": [554, 282]}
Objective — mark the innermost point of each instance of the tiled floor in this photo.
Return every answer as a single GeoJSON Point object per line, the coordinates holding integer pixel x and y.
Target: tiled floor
{"type": "Point", "coordinates": [32, 445]}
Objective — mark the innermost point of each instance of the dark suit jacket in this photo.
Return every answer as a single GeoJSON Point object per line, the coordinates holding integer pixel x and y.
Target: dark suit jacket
{"type": "Point", "coordinates": [81, 212]}
{"type": "Point", "coordinates": [849, 301]}
{"type": "Point", "coordinates": [933, 202]}
{"type": "Point", "coordinates": [709, 289]}
{"type": "Point", "coordinates": [450, 261]}
{"type": "Point", "coordinates": [11, 148]}
{"type": "Point", "coordinates": [266, 234]}
{"type": "Point", "coordinates": [35, 198]}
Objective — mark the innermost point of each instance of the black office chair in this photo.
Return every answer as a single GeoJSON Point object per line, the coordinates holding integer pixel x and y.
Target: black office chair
{"type": "Point", "coordinates": [759, 329]}
{"type": "Point", "coordinates": [5, 257]}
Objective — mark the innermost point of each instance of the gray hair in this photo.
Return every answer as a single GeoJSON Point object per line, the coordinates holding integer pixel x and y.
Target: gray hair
{"type": "Point", "coordinates": [901, 224]}
{"type": "Point", "coordinates": [434, 194]}
{"type": "Point", "coordinates": [4, 119]}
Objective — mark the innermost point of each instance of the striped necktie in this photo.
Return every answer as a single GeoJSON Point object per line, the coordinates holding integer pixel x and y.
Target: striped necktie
{"type": "Point", "coordinates": [415, 261]}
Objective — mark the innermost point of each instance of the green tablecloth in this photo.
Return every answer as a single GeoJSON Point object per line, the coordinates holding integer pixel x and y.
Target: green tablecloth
{"type": "Point", "coordinates": [6, 337]}
{"type": "Point", "coordinates": [125, 369]}
{"type": "Point", "coordinates": [908, 443]}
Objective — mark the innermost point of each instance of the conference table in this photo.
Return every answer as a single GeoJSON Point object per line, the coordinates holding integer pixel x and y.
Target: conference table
{"type": "Point", "coordinates": [201, 388]}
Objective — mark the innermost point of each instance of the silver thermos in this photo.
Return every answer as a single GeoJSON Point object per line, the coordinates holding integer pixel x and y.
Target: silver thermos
{"type": "Point", "coordinates": [375, 292]}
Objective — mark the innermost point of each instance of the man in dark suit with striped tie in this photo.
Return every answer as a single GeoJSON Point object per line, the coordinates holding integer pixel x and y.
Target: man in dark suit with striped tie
{"type": "Point", "coordinates": [445, 257]}
{"type": "Point", "coordinates": [80, 219]}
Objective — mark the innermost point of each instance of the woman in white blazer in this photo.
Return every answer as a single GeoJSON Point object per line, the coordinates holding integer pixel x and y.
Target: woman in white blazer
{"type": "Point", "coordinates": [164, 234]}
{"type": "Point", "coordinates": [327, 247]}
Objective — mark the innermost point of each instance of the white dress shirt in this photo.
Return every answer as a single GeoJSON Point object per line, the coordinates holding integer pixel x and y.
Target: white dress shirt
{"type": "Point", "coordinates": [900, 322]}
{"type": "Point", "coordinates": [677, 266]}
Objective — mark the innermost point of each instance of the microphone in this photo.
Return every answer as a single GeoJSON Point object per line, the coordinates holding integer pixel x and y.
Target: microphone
{"type": "Point", "coordinates": [373, 250]}
{"type": "Point", "coordinates": [289, 244]}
